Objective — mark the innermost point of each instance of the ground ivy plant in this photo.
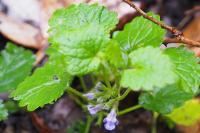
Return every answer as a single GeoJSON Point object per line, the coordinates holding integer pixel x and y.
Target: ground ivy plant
{"type": "Point", "coordinates": [16, 64]}
{"type": "Point", "coordinates": [84, 42]}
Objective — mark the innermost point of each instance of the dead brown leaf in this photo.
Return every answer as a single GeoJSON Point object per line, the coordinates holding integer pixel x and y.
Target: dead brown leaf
{"type": "Point", "coordinates": [16, 28]}
{"type": "Point", "coordinates": [19, 32]}
{"type": "Point", "coordinates": [118, 6]}
{"type": "Point", "coordinates": [192, 31]}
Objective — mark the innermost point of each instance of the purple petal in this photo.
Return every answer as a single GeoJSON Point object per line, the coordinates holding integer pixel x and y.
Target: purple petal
{"type": "Point", "coordinates": [111, 121]}
{"type": "Point", "coordinates": [94, 109]}
{"type": "Point", "coordinates": [89, 95]}
{"type": "Point", "coordinates": [109, 126]}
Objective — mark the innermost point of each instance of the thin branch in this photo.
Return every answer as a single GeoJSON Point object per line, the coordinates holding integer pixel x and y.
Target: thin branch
{"type": "Point", "coordinates": [178, 34]}
{"type": "Point", "coordinates": [193, 10]}
{"type": "Point", "coordinates": [169, 28]}
{"type": "Point", "coordinates": [171, 40]}
{"type": "Point", "coordinates": [175, 40]}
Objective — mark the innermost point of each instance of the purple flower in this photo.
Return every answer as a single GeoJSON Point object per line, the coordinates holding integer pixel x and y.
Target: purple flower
{"type": "Point", "coordinates": [94, 109]}
{"type": "Point", "coordinates": [89, 95]}
{"type": "Point", "coordinates": [111, 121]}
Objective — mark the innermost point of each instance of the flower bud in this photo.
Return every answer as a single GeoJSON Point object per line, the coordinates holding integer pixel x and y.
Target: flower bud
{"type": "Point", "coordinates": [89, 95]}
{"type": "Point", "coordinates": [94, 109]}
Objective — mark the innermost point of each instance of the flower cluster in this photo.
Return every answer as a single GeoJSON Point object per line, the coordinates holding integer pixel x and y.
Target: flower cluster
{"type": "Point", "coordinates": [110, 121]}
{"type": "Point", "coordinates": [101, 97]}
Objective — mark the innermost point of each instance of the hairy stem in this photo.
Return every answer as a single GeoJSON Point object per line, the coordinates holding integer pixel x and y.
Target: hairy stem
{"type": "Point", "coordinates": [88, 124]}
{"type": "Point", "coordinates": [124, 95]}
{"type": "Point", "coordinates": [107, 82]}
{"type": "Point", "coordinates": [93, 79]}
{"type": "Point", "coordinates": [154, 123]}
{"type": "Point", "coordinates": [106, 75]}
{"type": "Point", "coordinates": [83, 85]}
{"type": "Point", "coordinates": [77, 93]}
{"type": "Point", "coordinates": [127, 110]}
{"type": "Point", "coordinates": [100, 119]}
{"type": "Point", "coordinates": [178, 34]}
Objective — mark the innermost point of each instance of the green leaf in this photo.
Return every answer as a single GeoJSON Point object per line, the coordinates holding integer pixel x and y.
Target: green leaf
{"type": "Point", "coordinates": [79, 16]}
{"type": "Point", "coordinates": [186, 67]}
{"type": "Point", "coordinates": [11, 106]}
{"type": "Point", "coordinates": [46, 85]}
{"type": "Point", "coordinates": [3, 111]}
{"type": "Point", "coordinates": [83, 49]}
{"type": "Point", "coordinates": [149, 68]}
{"type": "Point", "coordinates": [164, 100]}
{"type": "Point", "coordinates": [188, 114]}
{"type": "Point", "coordinates": [81, 32]}
{"type": "Point", "coordinates": [140, 32]}
{"type": "Point", "coordinates": [115, 55]}
{"type": "Point", "coordinates": [15, 65]}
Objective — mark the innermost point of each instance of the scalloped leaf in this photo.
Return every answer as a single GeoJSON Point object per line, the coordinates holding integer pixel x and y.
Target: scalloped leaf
{"type": "Point", "coordinates": [140, 32]}
{"type": "Point", "coordinates": [148, 65]}
{"type": "Point", "coordinates": [78, 16]}
{"type": "Point", "coordinates": [15, 65]}
{"type": "Point", "coordinates": [81, 32]}
{"type": "Point", "coordinates": [164, 100]}
{"type": "Point", "coordinates": [186, 67]}
{"type": "Point", "coordinates": [83, 49]}
{"type": "Point", "coordinates": [46, 85]}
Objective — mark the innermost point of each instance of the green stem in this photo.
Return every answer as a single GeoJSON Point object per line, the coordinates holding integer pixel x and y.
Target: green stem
{"type": "Point", "coordinates": [127, 110]}
{"type": "Point", "coordinates": [88, 124]}
{"type": "Point", "coordinates": [124, 95]}
{"type": "Point", "coordinates": [83, 85]}
{"type": "Point", "coordinates": [100, 119]}
{"type": "Point", "coordinates": [106, 75]}
{"type": "Point", "coordinates": [119, 98]}
{"type": "Point", "coordinates": [154, 123]}
{"type": "Point", "coordinates": [93, 79]}
{"type": "Point", "coordinates": [77, 93]}
{"type": "Point", "coordinates": [107, 82]}
{"type": "Point", "coordinates": [78, 102]}
{"type": "Point", "coordinates": [117, 77]}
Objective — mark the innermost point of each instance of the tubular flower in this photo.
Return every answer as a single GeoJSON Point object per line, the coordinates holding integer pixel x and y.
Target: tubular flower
{"type": "Point", "coordinates": [111, 121]}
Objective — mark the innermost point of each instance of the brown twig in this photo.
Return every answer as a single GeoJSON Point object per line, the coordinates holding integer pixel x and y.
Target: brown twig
{"type": "Point", "coordinates": [171, 40]}
{"type": "Point", "coordinates": [178, 34]}
{"type": "Point", "coordinates": [174, 40]}
{"type": "Point", "coordinates": [193, 10]}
